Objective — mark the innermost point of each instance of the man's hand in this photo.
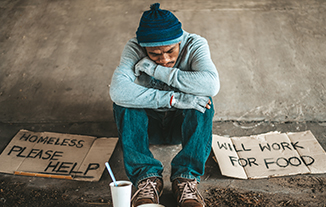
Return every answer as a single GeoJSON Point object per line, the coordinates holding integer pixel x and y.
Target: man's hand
{"type": "Point", "coordinates": [208, 105]}
{"type": "Point", "coordinates": [188, 101]}
{"type": "Point", "coordinates": [145, 65]}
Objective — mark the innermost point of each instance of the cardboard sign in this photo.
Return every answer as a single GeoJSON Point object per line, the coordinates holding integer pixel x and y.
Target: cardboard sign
{"type": "Point", "coordinates": [56, 155]}
{"type": "Point", "coordinates": [271, 154]}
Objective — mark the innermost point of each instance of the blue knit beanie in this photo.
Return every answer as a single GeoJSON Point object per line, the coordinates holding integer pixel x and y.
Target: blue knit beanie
{"type": "Point", "coordinates": [158, 28]}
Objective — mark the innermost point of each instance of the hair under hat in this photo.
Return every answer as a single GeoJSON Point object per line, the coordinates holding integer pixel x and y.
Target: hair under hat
{"type": "Point", "coordinates": [158, 27]}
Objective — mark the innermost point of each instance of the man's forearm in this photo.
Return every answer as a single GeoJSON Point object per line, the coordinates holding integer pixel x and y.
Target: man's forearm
{"type": "Point", "coordinates": [202, 83]}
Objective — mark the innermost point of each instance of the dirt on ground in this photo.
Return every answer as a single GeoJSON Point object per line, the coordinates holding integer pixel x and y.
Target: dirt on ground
{"type": "Point", "coordinates": [218, 190]}
{"type": "Point", "coordinates": [18, 194]}
{"type": "Point", "coordinates": [312, 188]}
{"type": "Point", "coordinates": [312, 193]}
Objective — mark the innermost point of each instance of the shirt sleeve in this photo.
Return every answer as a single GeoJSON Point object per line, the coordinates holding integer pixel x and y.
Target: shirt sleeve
{"type": "Point", "coordinates": [123, 89]}
{"type": "Point", "coordinates": [202, 79]}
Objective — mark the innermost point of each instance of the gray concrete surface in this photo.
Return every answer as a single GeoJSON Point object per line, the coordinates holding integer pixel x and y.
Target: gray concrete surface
{"type": "Point", "coordinates": [295, 190]}
{"type": "Point", "coordinates": [57, 57]}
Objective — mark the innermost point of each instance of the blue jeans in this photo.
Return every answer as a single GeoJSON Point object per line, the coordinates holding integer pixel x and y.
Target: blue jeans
{"type": "Point", "coordinates": [138, 128]}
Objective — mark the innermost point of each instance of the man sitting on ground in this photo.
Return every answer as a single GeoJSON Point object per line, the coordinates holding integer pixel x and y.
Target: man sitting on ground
{"type": "Point", "coordinates": [162, 93]}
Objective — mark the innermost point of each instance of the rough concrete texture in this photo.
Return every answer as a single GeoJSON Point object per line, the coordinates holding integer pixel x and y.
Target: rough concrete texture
{"type": "Point", "coordinates": [57, 57]}
{"type": "Point", "coordinates": [299, 190]}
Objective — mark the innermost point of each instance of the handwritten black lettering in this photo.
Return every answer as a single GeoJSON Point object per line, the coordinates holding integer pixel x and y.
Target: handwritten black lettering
{"type": "Point", "coordinates": [233, 159]}
{"type": "Point", "coordinates": [80, 144]}
{"type": "Point", "coordinates": [44, 140]}
{"type": "Point", "coordinates": [68, 168]}
{"type": "Point", "coordinates": [294, 161]}
{"type": "Point", "coordinates": [243, 148]}
{"type": "Point", "coordinates": [51, 140]}
{"type": "Point", "coordinates": [235, 148]}
{"type": "Point", "coordinates": [33, 138]}
{"type": "Point", "coordinates": [57, 142]}
{"type": "Point", "coordinates": [63, 166]}
{"type": "Point", "coordinates": [24, 137]}
{"type": "Point", "coordinates": [91, 166]}
{"type": "Point", "coordinates": [295, 145]}
{"type": "Point", "coordinates": [267, 163]}
{"type": "Point", "coordinates": [39, 155]}
{"type": "Point", "coordinates": [64, 142]}
{"type": "Point", "coordinates": [222, 145]}
{"type": "Point", "coordinates": [307, 160]}
{"type": "Point", "coordinates": [72, 142]}
{"type": "Point", "coordinates": [279, 146]}
{"type": "Point", "coordinates": [48, 153]}
{"type": "Point", "coordinates": [51, 166]}
{"type": "Point", "coordinates": [20, 153]}
{"type": "Point", "coordinates": [15, 148]}
{"type": "Point", "coordinates": [276, 146]}
{"type": "Point", "coordinates": [291, 161]}
{"type": "Point", "coordinates": [252, 160]}
{"type": "Point", "coordinates": [56, 154]}
{"type": "Point", "coordinates": [33, 151]}
{"type": "Point", "coordinates": [242, 162]}
{"type": "Point", "coordinates": [72, 169]}
{"type": "Point", "coordinates": [285, 145]}
{"type": "Point", "coordinates": [267, 146]}
{"type": "Point", "coordinates": [282, 162]}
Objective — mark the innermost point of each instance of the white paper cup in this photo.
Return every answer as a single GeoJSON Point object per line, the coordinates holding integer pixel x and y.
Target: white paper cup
{"type": "Point", "coordinates": [121, 194]}
{"type": "Point", "coordinates": [151, 205]}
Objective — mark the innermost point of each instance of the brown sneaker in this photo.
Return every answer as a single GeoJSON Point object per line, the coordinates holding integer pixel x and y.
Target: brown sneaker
{"type": "Point", "coordinates": [149, 191]}
{"type": "Point", "coordinates": [187, 194]}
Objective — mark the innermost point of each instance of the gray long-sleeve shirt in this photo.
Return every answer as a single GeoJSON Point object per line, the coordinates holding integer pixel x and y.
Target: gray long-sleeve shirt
{"type": "Point", "coordinates": [194, 73]}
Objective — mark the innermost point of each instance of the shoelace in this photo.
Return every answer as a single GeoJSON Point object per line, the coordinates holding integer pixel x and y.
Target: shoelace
{"type": "Point", "coordinates": [190, 191]}
{"type": "Point", "coordinates": [147, 190]}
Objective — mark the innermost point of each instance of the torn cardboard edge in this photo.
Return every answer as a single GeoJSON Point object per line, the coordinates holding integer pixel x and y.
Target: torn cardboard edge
{"type": "Point", "coordinates": [269, 155]}
{"type": "Point", "coordinates": [57, 155]}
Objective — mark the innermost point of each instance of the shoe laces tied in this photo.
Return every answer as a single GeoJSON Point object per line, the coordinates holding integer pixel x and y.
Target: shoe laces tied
{"type": "Point", "coordinates": [147, 190]}
{"type": "Point", "coordinates": [190, 191]}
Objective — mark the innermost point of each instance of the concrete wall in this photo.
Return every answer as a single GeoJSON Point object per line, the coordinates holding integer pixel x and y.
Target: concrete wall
{"type": "Point", "coordinates": [57, 57]}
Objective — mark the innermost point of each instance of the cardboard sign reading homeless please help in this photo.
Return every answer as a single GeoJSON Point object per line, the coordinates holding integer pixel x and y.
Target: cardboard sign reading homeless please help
{"type": "Point", "coordinates": [271, 154]}
{"type": "Point", "coordinates": [56, 155]}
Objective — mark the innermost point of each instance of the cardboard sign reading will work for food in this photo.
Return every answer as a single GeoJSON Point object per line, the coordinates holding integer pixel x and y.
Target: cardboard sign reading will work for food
{"type": "Point", "coordinates": [271, 154]}
{"type": "Point", "coordinates": [56, 155]}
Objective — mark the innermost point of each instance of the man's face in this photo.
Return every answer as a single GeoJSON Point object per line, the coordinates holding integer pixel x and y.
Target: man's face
{"type": "Point", "coordinates": [164, 55]}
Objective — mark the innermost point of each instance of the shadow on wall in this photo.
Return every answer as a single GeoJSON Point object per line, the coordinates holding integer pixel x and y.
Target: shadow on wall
{"type": "Point", "coordinates": [40, 100]}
